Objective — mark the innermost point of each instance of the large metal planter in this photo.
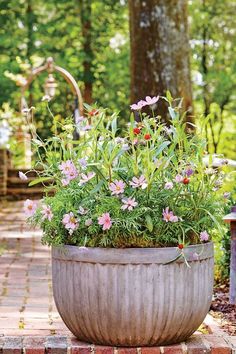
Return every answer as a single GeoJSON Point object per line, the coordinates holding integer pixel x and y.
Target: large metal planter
{"type": "Point", "coordinates": [130, 297]}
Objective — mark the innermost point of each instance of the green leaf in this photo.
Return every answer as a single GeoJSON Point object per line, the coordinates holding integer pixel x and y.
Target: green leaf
{"type": "Point", "coordinates": [87, 106]}
{"type": "Point", "coordinates": [168, 96]}
{"type": "Point", "coordinates": [39, 180]}
{"type": "Point", "coordinates": [172, 112]}
{"type": "Point", "coordinates": [37, 142]}
{"type": "Point", "coordinates": [149, 222]}
{"type": "Point", "coordinates": [114, 126]}
{"type": "Point", "coordinates": [162, 147]}
{"type": "Point", "coordinates": [97, 187]}
{"type": "Point", "coordinates": [98, 172]}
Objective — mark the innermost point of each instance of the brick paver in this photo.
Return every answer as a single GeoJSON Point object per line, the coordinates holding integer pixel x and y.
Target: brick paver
{"type": "Point", "coordinates": [26, 301]}
{"type": "Point", "coordinates": [29, 321]}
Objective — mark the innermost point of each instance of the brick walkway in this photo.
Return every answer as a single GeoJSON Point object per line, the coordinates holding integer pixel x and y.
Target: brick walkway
{"type": "Point", "coordinates": [29, 322]}
{"type": "Point", "coordinates": [26, 301]}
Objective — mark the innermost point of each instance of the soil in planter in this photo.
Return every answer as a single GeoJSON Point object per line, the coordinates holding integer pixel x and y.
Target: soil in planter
{"type": "Point", "coordinates": [222, 311]}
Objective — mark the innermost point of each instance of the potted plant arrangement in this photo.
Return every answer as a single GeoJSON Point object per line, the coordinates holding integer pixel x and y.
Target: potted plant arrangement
{"type": "Point", "coordinates": [130, 225]}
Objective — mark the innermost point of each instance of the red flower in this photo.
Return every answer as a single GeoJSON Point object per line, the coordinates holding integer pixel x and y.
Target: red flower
{"type": "Point", "coordinates": [136, 131]}
{"type": "Point", "coordinates": [147, 136]}
{"type": "Point", "coordinates": [186, 180]}
{"type": "Point", "coordinates": [93, 112]}
{"type": "Point", "coordinates": [180, 246]}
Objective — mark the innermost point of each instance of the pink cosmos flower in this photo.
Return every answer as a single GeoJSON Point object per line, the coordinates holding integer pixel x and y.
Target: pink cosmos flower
{"type": "Point", "coordinates": [70, 222]}
{"type": "Point", "coordinates": [66, 167]}
{"type": "Point", "coordinates": [72, 175]}
{"type": "Point", "coordinates": [65, 182]}
{"type": "Point", "coordinates": [23, 176]}
{"type": "Point", "coordinates": [47, 213]}
{"type": "Point", "coordinates": [169, 185]}
{"type": "Point", "coordinates": [86, 128]}
{"type": "Point", "coordinates": [30, 207]}
{"type": "Point", "coordinates": [138, 182]}
{"type": "Point", "coordinates": [83, 163]}
{"type": "Point", "coordinates": [204, 236]}
{"type": "Point", "coordinates": [86, 178]}
{"type": "Point", "coordinates": [151, 100]}
{"type": "Point", "coordinates": [69, 170]}
{"type": "Point", "coordinates": [88, 222]}
{"type": "Point", "coordinates": [169, 215]}
{"type": "Point", "coordinates": [138, 106]}
{"type": "Point", "coordinates": [226, 195]}
{"type": "Point", "coordinates": [129, 203]}
{"type": "Point", "coordinates": [117, 187]}
{"type": "Point", "coordinates": [105, 221]}
{"type": "Point", "coordinates": [179, 178]}
{"type": "Point", "coordinates": [79, 119]}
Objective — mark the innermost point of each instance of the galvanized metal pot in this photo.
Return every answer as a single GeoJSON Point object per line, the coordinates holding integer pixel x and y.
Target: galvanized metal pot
{"type": "Point", "coordinates": [131, 297]}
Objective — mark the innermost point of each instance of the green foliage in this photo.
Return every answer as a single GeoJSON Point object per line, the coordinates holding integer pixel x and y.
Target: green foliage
{"type": "Point", "coordinates": [38, 29]}
{"type": "Point", "coordinates": [213, 43]}
{"type": "Point", "coordinates": [169, 164]}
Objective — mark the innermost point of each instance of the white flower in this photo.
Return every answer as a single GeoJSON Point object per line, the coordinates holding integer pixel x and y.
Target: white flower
{"type": "Point", "coordinates": [46, 98]}
{"type": "Point", "coordinates": [169, 185]}
{"type": "Point", "coordinates": [23, 176]}
{"type": "Point", "coordinates": [88, 222]}
{"type": "Point", "coordinates": [82, 211]}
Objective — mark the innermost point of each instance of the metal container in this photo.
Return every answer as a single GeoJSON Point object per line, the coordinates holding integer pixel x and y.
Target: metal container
{"type": "Point", "coordinates": [131, 297]}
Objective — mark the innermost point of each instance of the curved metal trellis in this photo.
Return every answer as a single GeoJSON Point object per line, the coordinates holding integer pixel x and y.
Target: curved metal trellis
{"type": "Point", "coordinates": [50, 67]}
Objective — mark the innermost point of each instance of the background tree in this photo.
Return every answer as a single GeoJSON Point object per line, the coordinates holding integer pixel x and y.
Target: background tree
{"type": "Point", "coordinates": [213, 43]}
{"type": "Point", "coordinates": [85, 11]}
{"type": "Point", "coordinates": [160, 50]}
{"type": "Point", "coordinates": [56, 30]}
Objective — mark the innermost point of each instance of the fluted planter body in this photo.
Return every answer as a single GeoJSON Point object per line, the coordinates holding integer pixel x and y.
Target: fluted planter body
{"type": "Point", "coordinates": [131, 297]}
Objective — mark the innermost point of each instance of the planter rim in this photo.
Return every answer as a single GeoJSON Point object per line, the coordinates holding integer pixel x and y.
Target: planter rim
{"type": "Point", "coordinates": [132, 255]}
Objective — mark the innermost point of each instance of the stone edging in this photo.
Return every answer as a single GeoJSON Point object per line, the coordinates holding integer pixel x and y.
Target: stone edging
{"type": "Point", "coordinates": [197, 344]}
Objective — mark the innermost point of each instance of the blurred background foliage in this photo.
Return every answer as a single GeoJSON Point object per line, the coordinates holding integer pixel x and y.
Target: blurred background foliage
{"type": "Point", "coordinates": [76, 32]}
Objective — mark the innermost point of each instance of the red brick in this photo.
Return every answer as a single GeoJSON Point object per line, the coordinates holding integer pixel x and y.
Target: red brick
{"type": "Point", "coordinates": [56, 345]}
{"type": "Point", "coordinates": [99, 349]}
{"type": "Point", "coordinates": [81, 350]}
{"type": "Point", "coordinates": [78, 347]}
{"type": "Point", "coordinates": [127, 350]}
{"type": "Point", "coordinates": [34, 345]}
{"type": "Point", "coordinates": [218, 344]}
{"type": "Point", "coordinates": [12, 345]}
{"type": "Point", "coordinates": [173, 349]}
{"type": "Point", "coordinates": [150, 350]}
{"type": "Point", "coordinates": [196, 345]}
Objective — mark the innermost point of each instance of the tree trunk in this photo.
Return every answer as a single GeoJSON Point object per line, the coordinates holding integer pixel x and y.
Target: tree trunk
{"type": "Point", "coordinates": [160, 51]}
{"type": "Point", "coordinates": [86, 25]}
